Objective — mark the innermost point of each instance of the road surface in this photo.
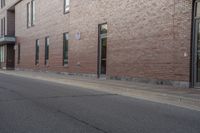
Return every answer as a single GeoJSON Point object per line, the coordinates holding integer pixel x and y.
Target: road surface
{"type": "Point", "coordinates": [34, 106]}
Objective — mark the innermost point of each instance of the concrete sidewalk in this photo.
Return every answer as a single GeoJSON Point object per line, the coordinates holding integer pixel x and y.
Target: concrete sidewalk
{"type": "Point", "coordinates": [187, 98]}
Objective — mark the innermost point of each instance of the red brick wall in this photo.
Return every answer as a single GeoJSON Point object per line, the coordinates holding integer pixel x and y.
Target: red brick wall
{"type": "Point", "coordinates": [146, 38]}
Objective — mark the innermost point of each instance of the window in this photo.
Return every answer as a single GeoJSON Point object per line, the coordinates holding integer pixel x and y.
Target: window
{"type": "Point", "coordinates": [1, 54]}
{"type": "Point", "coordinates": [31, 13]}
{"type": "Point", "coordinates": [102, 52]}
{"type": "Point", "coordinates": [103, 29]}
{"type": "Point", "coordinates": [3, 26]}
{"type": "Point", "coordinates": [65, 48]}
{"type": "Point", "coordinates": [19, 54]}
{"type": "Point", "coordinates": [37, 51]}
{"type": "Point", "coordinates": [3, 3]}
{"type": "Point", "coordinates": [46, 50]}
{"type": "Point", "coordinates": [66, 6]}
{"type": "Point", "coordinates": [28, 15]}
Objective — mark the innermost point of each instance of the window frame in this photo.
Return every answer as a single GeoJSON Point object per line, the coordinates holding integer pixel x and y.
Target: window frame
{"type": "Point", "coordinates": [2, 56]}
{"type": "Point", "coordinates": [3, 26]}
{"type": "Point", "coordinates": [66, 6]}
{"type": "Point", "coordinates": [28, 14]}
{"type": "Point", "coordinates": [18, 53]}
{"type": "Point", "coordinates": [37, 51]}
{"type": "Point", "coordinates": [33, 12]}
{"type": "Point", "coordinates": [47, 43]}
{"type": "Point", "coordinates": [102, 34]}
{"type": "Point", "coordinates": [3, 3]}
{"type": "Point", "coordinates": [65, 48]}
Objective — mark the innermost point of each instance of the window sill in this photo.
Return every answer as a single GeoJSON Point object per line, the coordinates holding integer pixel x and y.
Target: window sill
{"type": "Point", "coordinates": [28, 27]}
{"type": "Point", "coordinates": [47, 65]}
{"type": "Point", "coordinates": [66, 66]}
{"type": "Point", "coordinates": [66, 12]}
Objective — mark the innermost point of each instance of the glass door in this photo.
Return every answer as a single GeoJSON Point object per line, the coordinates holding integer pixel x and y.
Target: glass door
{"type": "Point", "coordinates": [198, 52]}
{"type": "Point", "coordinates": [102, 52]}
{"type": "Point", "coordinates": [103, 49]}
{"type": "Point", "coordinates": [195, 81]}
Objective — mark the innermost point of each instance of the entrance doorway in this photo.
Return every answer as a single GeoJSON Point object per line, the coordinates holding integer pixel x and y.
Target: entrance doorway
{"type": "Point", "coordinates": [10, 57]}
{"type": "Point", "coordinates": [102, 50]}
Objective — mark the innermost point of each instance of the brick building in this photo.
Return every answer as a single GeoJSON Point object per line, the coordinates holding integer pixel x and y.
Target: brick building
{"type": "Point", "coordinates": [144, 40]}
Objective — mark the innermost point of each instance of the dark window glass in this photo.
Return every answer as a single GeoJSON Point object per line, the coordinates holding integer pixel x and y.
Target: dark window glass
{"type": "Point", "coordinates": [1, 27]}
{"type": "Point", "coordinates": [46, 50]}
{"type": "Point", "coordinates": [4, 25]}
{"type": "Point", "coordinates": [65, 48]}
{"type": "Point", "coordinates": [19, 54]}
{"type": "Point", "coordinates": [3, 3]}
{"type": "Point", "coordinates": [102, 48]}
{"type": "Point", "coordinates": [3, 21]}
{"type": "Point", "coordinates": [37, 49]}
{"type": "Point", "coordinates": [197, 9]}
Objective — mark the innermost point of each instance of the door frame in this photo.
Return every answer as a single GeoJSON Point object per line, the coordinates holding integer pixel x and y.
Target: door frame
{"type": "Point", "coordinates": [193, 61]}
{"type": "Point", "coordinates": [196, 29]}
{"type": "Point", "coordinates": [100, 37]}
{"type": "Point", "coordinates": [10, 56]}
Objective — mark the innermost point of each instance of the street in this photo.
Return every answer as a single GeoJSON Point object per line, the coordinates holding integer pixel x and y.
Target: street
{"type": "Point", "coordinates": [34, 106]}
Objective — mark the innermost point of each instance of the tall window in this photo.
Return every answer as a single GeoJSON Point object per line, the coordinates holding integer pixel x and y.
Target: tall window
{"type": "Point", "coordinates": [66, 6]}
{"type": "Point", "coordinates": [31, 13]}
{"type": "Point", "coordinates": [19, 54]}
{"type": "Point", "coordinates": [3, 26]}
{"type": "Point", "coordinates": [196, 44]}
{"type": "Point", "coordinates": [65, 48]}
{"type": "Point", "coordinates": [3, 3]}
{"type": "Point", "coordinates": [46, 50]}
{"type": "Point", "coordinates": [103, 29]}
{"type": "Point", "coordinates": [37, 51]}
{"type": "Point", "coordinates": [1, 54]}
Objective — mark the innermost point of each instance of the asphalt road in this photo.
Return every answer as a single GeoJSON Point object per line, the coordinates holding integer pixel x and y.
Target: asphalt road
{"type": "Point", "coordinates": [33, 106]}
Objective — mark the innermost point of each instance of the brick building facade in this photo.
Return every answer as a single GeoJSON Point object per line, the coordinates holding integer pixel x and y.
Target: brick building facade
{"type": "Point", "coordinates": [143, 40]}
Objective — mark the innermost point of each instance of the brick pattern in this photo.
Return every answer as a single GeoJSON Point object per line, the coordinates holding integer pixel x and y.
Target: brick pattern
{"type": "Point", "coordinates": [146, 38]}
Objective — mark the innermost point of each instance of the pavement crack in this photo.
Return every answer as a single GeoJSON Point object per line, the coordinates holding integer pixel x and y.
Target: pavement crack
{"type": "Point", "coordinates": [82, 121]}
{"type": "Point", "coordinates": [95, 95]}
{"type": "Point", "coordinates": [12, 100]}
{"type": "Point", "coordinates": [44, 106]}
{"type": "Point", "coordinates": [76, 96]}
{"type": "Point", "coordinates": [3, 88]}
